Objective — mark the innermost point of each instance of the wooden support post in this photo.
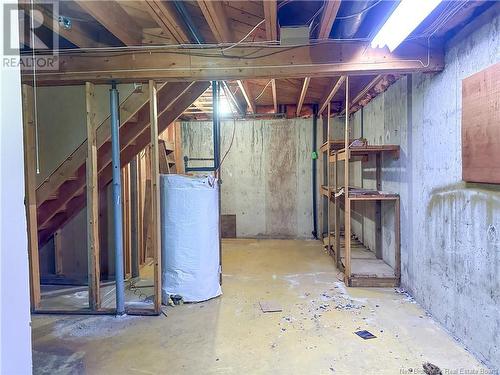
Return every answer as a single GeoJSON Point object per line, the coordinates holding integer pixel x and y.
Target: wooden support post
{"type": "Point", "coordinates": [397, 241]}
{"type": "Point", "coordinates": [30, 193]}
{"type": "Point", "coordinates": [92, 201]}
{"type": "Point", "coordinates": [58, 261]}
{"type": "Point", "coordinates": [179, 162]}
{"type": "Point", "coordinates": [378, 208]}
{"type": "Point", "coordinates": [155, 195]}
{"type": "Point", "coordinates": [347, 223]}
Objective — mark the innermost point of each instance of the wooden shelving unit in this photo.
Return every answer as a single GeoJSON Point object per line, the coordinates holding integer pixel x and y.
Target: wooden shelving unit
{"type": "Point", "coordinates": [361, 266]}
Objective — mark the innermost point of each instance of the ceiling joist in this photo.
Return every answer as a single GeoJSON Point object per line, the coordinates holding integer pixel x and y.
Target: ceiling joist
{"type": "Point", "coordinates": [247, 95]}
{"type": "Point", "coordinates": [271, 15]}
{"type": "Point", "coordinates": [331, 93]}
{"type": "Point", "coordinates": [302, 96]}
{"type": "Point", "coordinates": [166, 18]}
{"type": "Point", "coordinates": [77, 34]}
{"type": "Point", "coordinates": [364, 91]}
{"type": "Point", "coordinates": [328, 18]}
{"type": "Point", "coordinates": [114, 18]}
{"type": "Point", "coordinates": [275, 96]}
{"type": "Point", "coordinates": [215, 15]}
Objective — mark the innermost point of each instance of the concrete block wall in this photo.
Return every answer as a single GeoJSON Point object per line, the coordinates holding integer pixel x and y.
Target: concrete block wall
{"type": "Point", "coordinates": [266, 177]}
{"type": "Point", "coordinates": [450, 239]}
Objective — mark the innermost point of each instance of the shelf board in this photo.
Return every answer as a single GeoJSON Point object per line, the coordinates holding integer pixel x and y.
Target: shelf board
{"type": "Point", "coordinates": [364, 151]}
{"type": "Point", "coordinates": [335, 144]}
{"type": "Point", "coordinates": [360, 194]}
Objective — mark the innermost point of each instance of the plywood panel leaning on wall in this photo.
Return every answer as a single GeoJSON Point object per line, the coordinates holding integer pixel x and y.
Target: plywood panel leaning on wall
{"type": "Point", "coordinates": [481, 126]}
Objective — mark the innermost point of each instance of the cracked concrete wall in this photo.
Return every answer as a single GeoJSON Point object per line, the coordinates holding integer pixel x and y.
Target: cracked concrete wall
{"type": "Point", "coordinates": [450, 239]}
{"type": "Point", "coordinates": [266, 177]}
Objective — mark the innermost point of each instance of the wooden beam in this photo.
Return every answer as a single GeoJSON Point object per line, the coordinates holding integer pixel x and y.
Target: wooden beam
{"type": "Point", "coordinates": [317, 60]}
{"type": "Point", "coordinates": [155, 194]}
{"type": "Point", "coordinates": [327, 18]}
{"type": "Point", "coordinates": [217, 20]}
{"type": "Point", "coordinates": [302, 96]}
{"type": "Point", "coordinates": [30, 196]}
{"type": "Point", "coordinates": [271, 15]}
{"type": "Point", "coordinates": [247, 95]}
{"type": "Point", "coordinates": [78, 34]}
{"type": "Point", "coordinates": [115, 19]}
{"type": "Point", "coordinates": [93, 250]}
{"type": "Point", "coordinates": [327, 98]}
{"type": "Point", "coordinates": [364, 91]}
{"type": "Point", "coordinates": [275, 96]}
{"type": "Point", "coordinates": [166, 18]}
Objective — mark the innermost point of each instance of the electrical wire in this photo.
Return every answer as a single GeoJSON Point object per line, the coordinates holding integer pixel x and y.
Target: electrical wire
{"type": "Point", "coordinates": [230, 145]}
{"type": "Point", "coordinates": [264, 89]}
{"type": "Point", "coordinates": [246, 36]}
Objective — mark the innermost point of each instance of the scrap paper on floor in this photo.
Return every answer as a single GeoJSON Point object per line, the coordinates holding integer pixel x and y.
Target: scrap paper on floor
{"type": "Point", "coordinates": [270, 306]}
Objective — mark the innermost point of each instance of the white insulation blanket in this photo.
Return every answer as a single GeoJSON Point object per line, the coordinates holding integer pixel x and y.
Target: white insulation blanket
{"type": "Point", "coordinates": [190, 237]}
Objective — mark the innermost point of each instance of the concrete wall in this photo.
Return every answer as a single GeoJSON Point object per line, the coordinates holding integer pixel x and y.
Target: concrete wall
{"type": "Point", "coordinates": [450, 229]}
{"type": "Point", "coordinates": [266, 177]}
{"type": "Point", "coordinates": [15, 330]}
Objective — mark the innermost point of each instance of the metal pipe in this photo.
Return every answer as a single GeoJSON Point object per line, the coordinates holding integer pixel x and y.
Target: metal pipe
{"type": "Point", "coordinates": [216, 123]}
{"type": "Point", "coordinates": [314, 174]}
{"type": "Point", "coordinates": [134, 237]}
{"type": "Point", "coordinates": [117, 200]}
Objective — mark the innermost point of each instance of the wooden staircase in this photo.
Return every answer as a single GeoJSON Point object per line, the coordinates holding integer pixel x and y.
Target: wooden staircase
{"type": "Point", "coordinates": [62, 195]}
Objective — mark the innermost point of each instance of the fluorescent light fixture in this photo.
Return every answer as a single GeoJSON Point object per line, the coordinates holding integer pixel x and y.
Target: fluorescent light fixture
{"type": "Point", "coordinates": [405, 18]}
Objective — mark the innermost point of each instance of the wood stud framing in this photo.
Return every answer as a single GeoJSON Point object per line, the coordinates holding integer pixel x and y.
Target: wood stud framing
{"type": "Point", "coordinates": [155, 195]}
{"type": "Point", "coordinates": [347, 202]}
{"type": "Point", "coordinates": [30, 196]}
{"type": "Point", "coordinates": [92, 201]}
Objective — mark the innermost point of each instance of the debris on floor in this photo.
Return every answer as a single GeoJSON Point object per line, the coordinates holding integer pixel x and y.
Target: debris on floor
{"type": "Point", "coordinates": [431, 369]}
{"type": "Point", "coordinates": [177, 299]}
{"type": "Point", "coordinates": [270, 306]}
{"type": "Point", "coordinates": [365, 335]}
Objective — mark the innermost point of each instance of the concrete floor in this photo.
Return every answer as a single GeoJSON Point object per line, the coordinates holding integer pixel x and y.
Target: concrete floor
{"type": "Point", "coordinates": [230, 335]}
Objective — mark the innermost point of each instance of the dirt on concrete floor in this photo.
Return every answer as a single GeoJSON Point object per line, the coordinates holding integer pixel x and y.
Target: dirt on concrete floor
{"type": "Point", "coordinates": [313, 334]}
